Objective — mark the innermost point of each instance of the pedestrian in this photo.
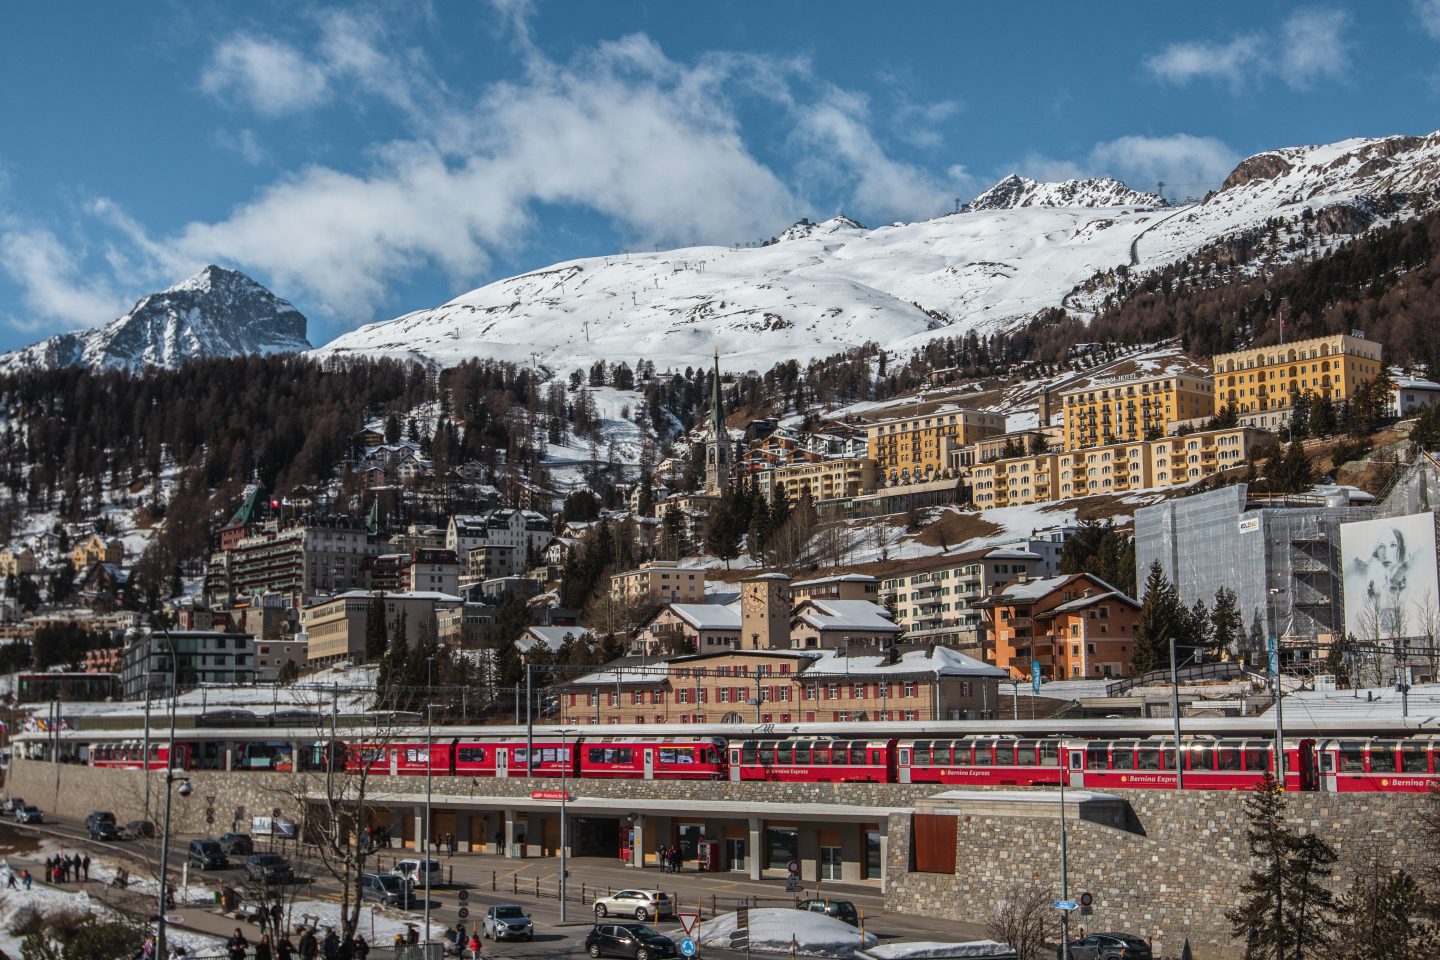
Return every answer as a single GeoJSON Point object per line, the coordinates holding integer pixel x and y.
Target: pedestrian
{"type": "Point", "coordinates": [474, 946]}
{"type": "Point", "coordinates": [147, 949]}
{"type": "Point", "coordinates": [85, 867]}
{"type": "Point", "coordinates": [330, 947]}
{"type": "Point", "coordinates": [309, 946]}
{"type": "Point", "coordinates": [499, 841]}
{"type": "Point", "coordinates": [277, 918]}
{"type": "Point", "coordinates": [412, 936]}
{"type": "Point", "coordinates": [25, 878]}
{"type": "Point", "coordinates": [362, 947]}
{"type": "Point", "coordinates": [237, 945]}
{"type": "Point", "coordinates": [450, 840]}
{"type": "Point", "coordinates": [347, 948]}
{"type": "Point", "coordinates": [10, 883]}
{"type": "Point", "coordinates": [284, 950]}
{"type": "Point", "coordinates": [263, 950]}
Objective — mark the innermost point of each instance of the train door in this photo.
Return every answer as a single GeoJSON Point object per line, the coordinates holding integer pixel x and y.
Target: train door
{"type": "Point", "coordinates": [394, 761]}
{"type": "Point", "coordinates": [1326, 751]}
{"type": "Point", "coordinates": [1077, 767]}
{"type": "Point", "coordinates": [735, 763]}
{"type": "Point", "coordinates": [903, 765]}
{"type": "Point", "coordinates": [649, 763]}
{"type": "Point", "coordinates": [502, 761]}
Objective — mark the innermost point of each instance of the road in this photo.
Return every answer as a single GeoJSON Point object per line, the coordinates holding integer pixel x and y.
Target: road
{"type": "Point", "coordinates": [487, 879]}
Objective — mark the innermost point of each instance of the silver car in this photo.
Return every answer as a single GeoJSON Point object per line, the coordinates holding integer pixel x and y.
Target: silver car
{"type": "Point", "coordinates": [507, 921]}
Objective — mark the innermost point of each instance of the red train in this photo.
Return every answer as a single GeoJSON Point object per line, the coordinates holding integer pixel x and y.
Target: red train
{"type": "Point", "coordinates": [1333, 765]}
{"type": "Point", "coordinates": [130, 755]}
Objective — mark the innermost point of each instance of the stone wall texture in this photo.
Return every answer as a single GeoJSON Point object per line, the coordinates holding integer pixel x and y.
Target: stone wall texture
{"type": "Point", "coordinates": [1171, 875]}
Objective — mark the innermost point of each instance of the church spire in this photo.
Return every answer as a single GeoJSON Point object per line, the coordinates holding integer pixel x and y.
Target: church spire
{"type": "Point", "coordinates": [717, 412]}
{"type": "Point", "coordinates": [717, 441]}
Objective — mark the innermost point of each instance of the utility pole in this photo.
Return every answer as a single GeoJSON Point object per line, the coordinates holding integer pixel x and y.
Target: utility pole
{"type": "Point", "coordinates": [1160, 190]}
{"type": "Point", "coordinates": [1279, 714]}
{"type": "Point", "coordinates": [1175, 715]}
{"type": "Point", "coordinates": [1064, 878]}
{"type": "Point", "coordinates": [529, 723]}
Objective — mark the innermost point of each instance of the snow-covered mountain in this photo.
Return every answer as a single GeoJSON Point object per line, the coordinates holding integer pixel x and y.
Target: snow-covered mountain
{"type": "Point", "coordinates": [216, 313]}
{"type": "Point", "coordinates": [1017, 191]}
{"type": "Point", "coordinates": [1021, 247]}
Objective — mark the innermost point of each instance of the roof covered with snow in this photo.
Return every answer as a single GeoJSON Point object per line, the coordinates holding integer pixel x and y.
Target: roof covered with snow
{"type": "Point", "coordinates": [709, 616]}
{"type": "Point", "coordinates": [861, 615]}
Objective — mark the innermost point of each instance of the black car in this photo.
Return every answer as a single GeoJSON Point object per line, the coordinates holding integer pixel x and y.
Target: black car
{"type": "Point", "coordinates": [98, 816]}
{"type": "Point", "coordinates": [839, 909]}
{"type": "Point", "coordinates": [237, 844]}
{"type": "Point", "coordinates": [207, 855]}
{"type": "Point", "coordinates": [633, 940]}
{"type": "Point", "coordinates": [104, 830]}
{"type": "Point", "coordinates": [268, 868]}
{"type": "Point", "coordinates": [1107, 946]}
{"type": "Point", "coordinates": [390, 889]}
{"type": "Point", "coordinates": [139, 830]}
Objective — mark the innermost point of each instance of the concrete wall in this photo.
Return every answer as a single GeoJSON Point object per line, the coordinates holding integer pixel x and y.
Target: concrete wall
{"type": "Point", "coordinates": [1173, 880]}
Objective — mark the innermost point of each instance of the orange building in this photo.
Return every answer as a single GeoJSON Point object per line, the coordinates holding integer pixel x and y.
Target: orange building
{"type": "Point", "coordinates": [1073, 626]}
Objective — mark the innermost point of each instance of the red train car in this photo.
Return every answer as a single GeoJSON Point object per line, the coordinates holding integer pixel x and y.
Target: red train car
{"type": "Point", "coordinates": [1411, 765]}
{"type": "Point", "coordinates": [509, 758]}
{"type": "Point", "coordinates": [661, 758]}
{"type": "Point", "coordinates": [989, 761]}
{"type": "Point", "coordinates": [129, 754]}
{"type": "Point", "coordinates": [846, 761]}
{"type": "Point", "coordinates": [1209, 764]}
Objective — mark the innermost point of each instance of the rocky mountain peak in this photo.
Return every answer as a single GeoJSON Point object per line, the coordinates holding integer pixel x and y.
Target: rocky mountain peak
{"type": "Point", "coordinates": [1016, 191]}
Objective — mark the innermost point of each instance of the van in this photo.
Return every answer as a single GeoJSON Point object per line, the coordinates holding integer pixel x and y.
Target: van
{"type": "Point", "coordinates": [415, 873]}
{"type": "Point", "coordinates": [207, 855]}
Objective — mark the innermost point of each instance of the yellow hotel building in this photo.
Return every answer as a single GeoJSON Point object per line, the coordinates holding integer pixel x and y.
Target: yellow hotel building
{"type": "Point", "coordinates": [918, 448]}
{"type": "Point", "coordinates": [1130, 409]}
{"type": "Point", "coordinates": [1269, 378]}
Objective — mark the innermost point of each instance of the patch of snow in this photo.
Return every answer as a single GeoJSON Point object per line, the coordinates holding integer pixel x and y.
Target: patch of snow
{"type": "Point", "coordinates": [936, 950]}
{"type": "Point", "coordinates": [774, 930]}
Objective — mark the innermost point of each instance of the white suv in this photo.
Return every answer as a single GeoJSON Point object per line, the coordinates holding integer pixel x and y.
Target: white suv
{"type": "Point", "coordinates": [640, 904]}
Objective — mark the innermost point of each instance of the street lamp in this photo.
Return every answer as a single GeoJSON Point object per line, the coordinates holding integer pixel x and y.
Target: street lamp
{"type": "Point", "coordinates": [564, 798]}
{"type": "Point", "coordinates": [185, 791]}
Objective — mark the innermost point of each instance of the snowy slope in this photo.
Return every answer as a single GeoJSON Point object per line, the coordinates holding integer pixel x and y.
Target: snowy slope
{"type": "Point", "coordinates": [821, 288]}
{"type": "Point", "coordinates": [216, 313]}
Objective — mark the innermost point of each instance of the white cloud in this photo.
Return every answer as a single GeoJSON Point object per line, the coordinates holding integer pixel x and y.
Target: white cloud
{"type": "Point", "coordinates": [244, 143]}
{"type": "Point", "coordinates": [1187, 163]}
{"type": "Point", "coordinates": [1179, 63]}
{"type": "Point", "coordinates": [1309, 45]}
{"type": "Point", "coordinates": [1428, 13]}
{"type": "Point", "coordinates": [270, 76]}
{"type": "Point", "coordinates": [1313, 47]}
{"type": "Point", "coordinates": [53, 284]}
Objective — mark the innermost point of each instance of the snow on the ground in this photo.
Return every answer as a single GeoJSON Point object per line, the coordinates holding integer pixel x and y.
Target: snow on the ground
{"type": "Point", "coordinates": [621, 439]}
{"type": "Point", "coordinates": [936, 950]}
{"type": "Point", "coordinates": [44, 897]}
{"type": "Point", "coordinates": [772, 931]}
{"type": "Point", "coordinates": [1377, 703]}
{"type": "Point", "coordinates": [377, 924]}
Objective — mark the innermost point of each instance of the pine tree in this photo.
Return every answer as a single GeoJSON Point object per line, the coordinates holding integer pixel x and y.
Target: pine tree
{"type": "Point", "coordinates": [1386, 919]}
{"type": "Point", "coordinates": [1226, 624]}
{"type": "Point", "coordinates": [1260, 919]}
{"type": "Point", "coordinates": [1310, 908]}
{"type": "Point", "coordinates": [1161, 617]}
{"type": "Point", "coordinates": [375, 639]}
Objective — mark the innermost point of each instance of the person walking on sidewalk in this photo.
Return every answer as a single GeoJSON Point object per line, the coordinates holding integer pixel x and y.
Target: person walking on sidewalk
{"type": "Point", "coordinates": [284, 950]}
{"type": "Point", "coordinates": [85, 867]}
{"type": "Point", "coordinates": [263, 950]}
{"type": "Point", "coordinates": [362, 947]}
{"type": "Point", "coordinates": [309, 946]}
{"type": "Point", "coordinates": [237, 945]}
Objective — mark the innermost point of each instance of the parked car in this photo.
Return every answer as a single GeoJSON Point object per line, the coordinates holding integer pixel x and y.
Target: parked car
{"type": "Point", "coordinates": [139, 830]}
{"type": "Point", "coordinates": [640, 904]}
{"type": "Point", "coordinates": [1108, 946]}
{"type": "Point", "coordinates": [507, 921]}
{"type": "Point", "coordinates": [207, 855]}
{"type": "Point", "coordinates": [14, 803]}
{"type": "Point", "coordinates": [414, 871]}
{"type": "Point", "coordinates": [237, 844]}
{"type": "Point", "coordinates": [268, 868]}
{"type": "Point", "coordinates": [390, 889]}
{"type": "Point", "coordinates": [29, 813]}
{"type": "Point", "coordinates": [104, 830]}
{"type": "Point", "coordinates": [98, 816]}
{"type": "Point", "coordinates": [839, 909]}
{"type": "Point", "coordinates": [633, 940]}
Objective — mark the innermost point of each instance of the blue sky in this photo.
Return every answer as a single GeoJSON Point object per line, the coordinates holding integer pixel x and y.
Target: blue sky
{"type": "Point", "coordinates": [370, 159]}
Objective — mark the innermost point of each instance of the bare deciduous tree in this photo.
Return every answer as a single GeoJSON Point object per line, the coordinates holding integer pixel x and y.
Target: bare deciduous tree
{"type": "Point", "coordinates": [1025, 919]}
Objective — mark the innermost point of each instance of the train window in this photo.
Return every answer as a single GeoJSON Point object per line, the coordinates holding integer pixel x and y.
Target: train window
{"type": "Point", "coordinates": [1202, 757]}
{"type": "Point", "coordinates": [1414, 758]}
{"type": "Point", "coordinates": [767, 754]}
{"type": "Point", "coordinates": [1257, 757]}
{"type": "Point", "coordinates": [802, 754]}
{"type": "Point", "coordinates": [1025, 752]}
{"type": "Point", "coordinates": [940, 752]}
{"type": "Point", "coordinates": [747, 753]}
{"type": "Point", "coordinates": [1005, 753]}
{"type": "Point", "coordinates": [822, 755]}
{"type": "Point", "coordinates": [983, 756]}
{"type": "Point", "coordinates": [1097, 755]}
{"type": "Point", "coordinates": [1352, 757]}
{"type": "Point", "coordinates": [1049, 753]}
{"type": "Point", "coordinates": [921, 756]}
{"type": "Point", "coordinates": [963, 753]}
{"type": "Point", "coordinates": [1147, 758]}
{"type": "Point", "coordinates": [1227, 756]}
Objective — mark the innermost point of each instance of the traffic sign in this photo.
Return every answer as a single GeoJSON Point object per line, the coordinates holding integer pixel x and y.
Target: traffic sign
{"type": "Point", "coordinates": [1086, 899]}
{"type": "Point", "coordinates": [463, 912]}
{"type": "Point", "coordinates": [565, 795]}
{"type": "Point", "coordinates": [174, 918]}
{"type": "Point", "coordinates": [209, 816]}
{"type": "Point", "coordinates": [793, 866]}
{"type": "Point", "coordinates": [1087, 911]}
{"type": "Point", "coordinates": [688, 922]}
{"type": "Point", "coordinates": [740, 940]}
{"type": "Point", "coordinates": [742, 918]}
{"type": "Point", "coordinates": [1066, 905]}
{"type": "Point", "coordinates": [463, 895]}
{"type": "Point", "coordinates": [687, 947]}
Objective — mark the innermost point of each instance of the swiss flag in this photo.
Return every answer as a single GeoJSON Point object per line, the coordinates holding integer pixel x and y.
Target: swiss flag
{"type": "Point", "coordinates": [274, 504]}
